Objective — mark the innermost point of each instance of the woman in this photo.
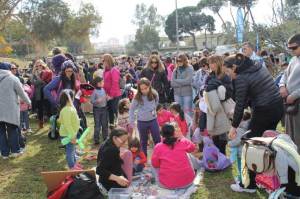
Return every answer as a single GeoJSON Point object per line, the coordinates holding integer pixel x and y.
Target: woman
{"type": "Point", "coordinates": [114, 169]}
{"type": "Point", "coordinates": [254, 86]}
{"type": "Point", "coordinates": [218, 90]}
{"type": "Point", "coordinates": [111, 78]}
{"type": "Point", "coordinates": [11, 89]}
{"type": "Point", "coordinates": [182, 83]}
{"type": "Point", "coordinates": [156, 74]}
{"type": "Point", "coordinates": [41, 76]}
{"type": "Point", "coordinates": [66, 80]}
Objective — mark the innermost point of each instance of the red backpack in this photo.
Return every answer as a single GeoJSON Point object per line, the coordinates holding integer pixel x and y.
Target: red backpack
{"type": "Point", "coordinates": [61, 190]}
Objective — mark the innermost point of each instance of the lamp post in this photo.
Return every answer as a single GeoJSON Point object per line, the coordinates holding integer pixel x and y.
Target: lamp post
{"type": "Point", "coordinates": [177, 37]}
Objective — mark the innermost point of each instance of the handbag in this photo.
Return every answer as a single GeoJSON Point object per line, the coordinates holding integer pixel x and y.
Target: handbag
{"type": "Point", "coordinates": [259, 157]}
{"type": "Point", "coordinates": [292, 109]}
{"type": "Point", "coordinates": [229, 106]}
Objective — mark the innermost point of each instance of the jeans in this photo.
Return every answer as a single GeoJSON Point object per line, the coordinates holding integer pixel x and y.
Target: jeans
{"type": "Point", "coordinates": [70, 155]}
{"type": "Point", "coordinates": [101, 121]}
{"type": "Point", "coordinates": [9, 139]}
{"type": "Point", "coordinates": [24, 118]}
{"type": "Point", "coordinates": [112, 106]}
{"type": "Point", "coordinates": [144, 129]}
{"type": "Point", "coordinates": [185, 103]}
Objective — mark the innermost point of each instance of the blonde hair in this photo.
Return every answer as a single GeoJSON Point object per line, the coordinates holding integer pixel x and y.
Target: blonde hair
{"type": "Point", "coordinates": [37, 63]}
{"type": "Point", "coordinates": [160, 67]}
{"type": "Point", "coordinates": [219, 61]}
{"type": "Point", "coordinates": [109, 58]}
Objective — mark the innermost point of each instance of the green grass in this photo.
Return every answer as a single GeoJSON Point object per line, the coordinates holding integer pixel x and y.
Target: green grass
{"type": "Point", "coordinates": [20, 177]}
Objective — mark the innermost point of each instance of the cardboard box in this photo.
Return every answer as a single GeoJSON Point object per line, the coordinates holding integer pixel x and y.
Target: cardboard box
{"type": "Point", "coordinates": [53, 178]}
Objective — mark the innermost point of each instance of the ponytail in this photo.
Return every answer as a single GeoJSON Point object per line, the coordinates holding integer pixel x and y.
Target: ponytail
{"type": "Point", "coordinates": [168, 131]}
{"type": "Point", "coordinates": [177, 108]}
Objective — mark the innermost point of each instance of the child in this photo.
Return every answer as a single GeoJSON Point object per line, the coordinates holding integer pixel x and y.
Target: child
{"type": "Point", "coordinates": [99, 101]}
{"type": "Point", "coordinates": [138, 156]}
{"type": "Point", "coordinates": [174, 167]}
{"type": "Point", "coordinates": [163, 116]}
{"type": "Point", "coordinates": [179, 117]}
{"type": "Point", "coordinates": [24, 108]}
{"type": "Point", "coordinates": [145, 102]}
{"type": "Point", "coordinates": [69, 126]}
{"type": "Point", "coordinates": [123, 116]}
{"type": "Point", "coordinates": [235, 144]}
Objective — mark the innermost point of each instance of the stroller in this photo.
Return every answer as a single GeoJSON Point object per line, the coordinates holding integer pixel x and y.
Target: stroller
{"type": "Point", "coordinates": [275, 160]}
{"type": "Point", "coordinates": [86, 90]}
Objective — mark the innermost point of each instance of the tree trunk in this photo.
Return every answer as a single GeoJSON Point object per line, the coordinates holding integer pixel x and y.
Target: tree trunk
{"type": "Point", "coordinates": [223, 22]}
{"type": "Point", "coordinates": [194, 40]}
{"type": "Point", "coordinates": [205, 38]}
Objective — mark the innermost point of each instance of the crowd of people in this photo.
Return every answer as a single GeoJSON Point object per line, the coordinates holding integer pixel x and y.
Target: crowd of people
{"type": "Point", "coordinates": [174, 99]}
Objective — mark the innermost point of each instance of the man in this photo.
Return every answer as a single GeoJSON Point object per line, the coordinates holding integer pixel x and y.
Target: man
{"type": "Point", "coordinates": [290, 89]}
{"type": "Point", "coordinates": [248, 50]}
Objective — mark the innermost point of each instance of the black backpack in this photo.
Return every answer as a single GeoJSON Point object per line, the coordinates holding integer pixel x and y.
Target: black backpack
{"type": "Point", "coordinates": [84, 187]}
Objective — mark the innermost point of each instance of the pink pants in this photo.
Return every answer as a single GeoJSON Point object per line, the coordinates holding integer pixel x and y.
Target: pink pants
{"type": "Point", "coordinates": [127, 166]}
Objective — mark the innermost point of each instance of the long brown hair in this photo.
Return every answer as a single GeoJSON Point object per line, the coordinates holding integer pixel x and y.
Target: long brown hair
{"type": "Point", "coordinates": [184, 60]}
{"type": "Point", "coordinates": [109, 58]}
{"type": "Point", "coordinates": [151, 95]}
{"type": "Point", "coordinates": [160, 66]}
{"type": "Point", "coordinates": [219, 61]}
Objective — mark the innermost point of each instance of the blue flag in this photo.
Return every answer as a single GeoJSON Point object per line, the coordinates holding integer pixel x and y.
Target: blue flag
{"type": "Point", "coordinates": [240, 26]}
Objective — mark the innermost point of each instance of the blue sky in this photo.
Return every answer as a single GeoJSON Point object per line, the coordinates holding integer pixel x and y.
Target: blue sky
{"type": "Point", "coordinates": [117, 14]}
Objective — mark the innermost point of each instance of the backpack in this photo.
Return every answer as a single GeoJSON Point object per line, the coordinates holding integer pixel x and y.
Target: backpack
{"type": "Point", "coordinates": [60, 191]}
{"type": "Point", "coordinates": [259, 157]}
{"type": "Point", "coordinates": [84, 187]}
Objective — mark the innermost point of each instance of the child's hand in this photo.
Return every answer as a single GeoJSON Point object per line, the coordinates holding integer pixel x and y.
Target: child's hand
{"type": "Point", "coordinates": [137, 162]}
{"type": "Point", "coordinates": [108, 97]}
{"type": "Point", "coordinates": [73, 141]}
{"type": "Point", "coordinates": [121, 180]}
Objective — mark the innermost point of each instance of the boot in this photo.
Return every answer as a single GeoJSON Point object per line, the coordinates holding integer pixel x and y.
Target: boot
{"type": "Point", "coordinates": [41, 124]}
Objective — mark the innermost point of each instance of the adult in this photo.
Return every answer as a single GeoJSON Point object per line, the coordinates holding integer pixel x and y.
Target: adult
{"type": "Point", "coordinates": [11, 90]}
{"type": "Point", "coordinates": [111, 78]}
{"type": "Point", "coordinates": [248, 50]}
{"type": "Point", "coordinates": [254, 87]}
{"type": "Point", "coordinates": [290, 89]}
{"type": "Point", "coordinates": [155, 73]}
{"type": "Point", "coordinates": [114, 165]}
{"type": "Point", "coordinates": [41, 76]}
{"type": "Point", "coordinates": [182, 83]}
{"type": "Point", "coordinates": [217, 121]}
{"type": "Point", "coordinates": [66, 80]}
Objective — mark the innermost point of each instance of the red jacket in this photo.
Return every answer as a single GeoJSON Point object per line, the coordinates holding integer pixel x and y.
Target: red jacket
{"type": "Point", "coordinates": [182, 124]}
{"type": "Point", "coordinates": [111, 82]}
{"type": "Point", "coordinates": [141, 155]}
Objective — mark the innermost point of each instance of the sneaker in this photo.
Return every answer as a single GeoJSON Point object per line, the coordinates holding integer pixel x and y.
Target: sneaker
{"type": "Point", "coordinates": [238, 188]}
{"type": "Point", "coordinates": [14, 155]}
{"type": "Point", "coordinates": [22, 150]}
{"type": "Point", "coordinates": [5, 157]}
{"type": "Point", "coordinates": [29, 131]}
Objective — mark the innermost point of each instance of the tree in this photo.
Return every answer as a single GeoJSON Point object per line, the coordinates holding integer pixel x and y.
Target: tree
{"type": "Point", "coordinates": [6, 10]}
{"type": "Point", "coordinates": [5, 48]}
{"type": "Point", "coordinates": [215, 6]}
{"type": "Point", "coordinates": [79, 26]}
{"type": "Point", "coordinates": [146, 39]}
{"type": "Point", "coordinates": [147, 16]}
{"type": "Point", "coordinates": [190, 21]}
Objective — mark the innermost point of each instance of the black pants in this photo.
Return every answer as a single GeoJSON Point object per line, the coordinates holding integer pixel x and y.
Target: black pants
{"type": "Point", "coordinates": [220, 141]}
{"type": "Point", "coordinates": [43, 106]}
{"type": "Point", "coordinates": [112, 106]}
{"type": "Point", "coordinates": [263, 118]}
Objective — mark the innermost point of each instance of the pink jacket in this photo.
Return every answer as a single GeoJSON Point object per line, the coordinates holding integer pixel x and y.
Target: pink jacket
{"type": "Point", "coordinates": [111, 82]}
{"type": "Point", "coordinates": [175, 169]}
{"type": "Point", "coordinates": [170, 69]}
{"type": "Point", "coordinates": [164, 117]}
{"type": "Point", "coordinates": [28, 90]}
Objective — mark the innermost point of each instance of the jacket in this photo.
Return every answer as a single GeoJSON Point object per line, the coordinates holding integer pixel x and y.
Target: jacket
{"type": "Point", "coordinates": [175, 169]}
{"type": "Point", "coordinates": [111, 82]}
{"type": "Point", "coordinates": [69, 122]}
{"type": "Point", "coordinates": [253, 84]}
{"type": "Point", "coordinates": [158, 80]}
{"type": "Point", "coordinates": [182, 81]}
{"type": "Point", "coordinates": [217, 121]}
{"type": "Point", "coordinates": [164, 117]}
{"type": "Point", "coordinates": [182, 124]}
{"type": "Point", "coordinates": [199, 80]}
{"type": "Point", "coordinates": [10, 91]}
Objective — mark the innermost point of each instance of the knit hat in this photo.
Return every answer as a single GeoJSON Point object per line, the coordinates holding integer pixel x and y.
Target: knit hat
{"type": "Point", "coordinates": [5, 66]}
{"type": "Point", "coordinates": [68, 64]}
{"type": "Point", "coordinates": [57, 62]}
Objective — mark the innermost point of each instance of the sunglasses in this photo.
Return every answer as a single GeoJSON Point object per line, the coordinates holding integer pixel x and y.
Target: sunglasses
{"type": "Point", "coordinates": [13, 69]}
{"type": "Point", "coordinates": [69, 71]}
{"type": "Point", "coordinates": [154, 62]}
{"type": "Point", "coordinates": [293, 47]}
{"type": "Point", "coordinates": [179, 60]}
